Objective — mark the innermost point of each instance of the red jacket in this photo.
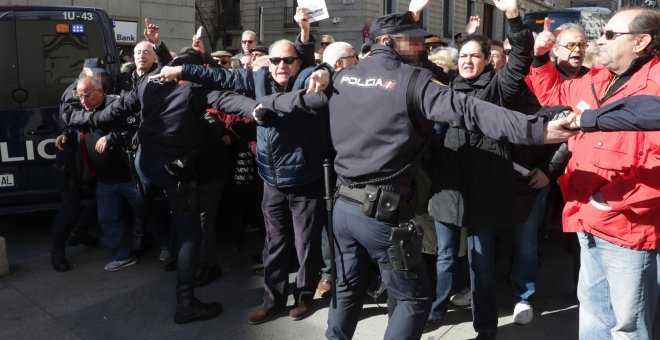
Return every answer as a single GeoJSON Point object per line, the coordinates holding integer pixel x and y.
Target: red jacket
{"type": "Point", "coordinates": [623, 166]}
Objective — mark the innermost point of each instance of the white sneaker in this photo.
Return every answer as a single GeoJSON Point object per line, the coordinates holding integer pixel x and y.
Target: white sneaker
{"type": "Point", "coordinates": [462, 298]}
{"type": "Point", "coordinates": [523, 313]}
{"type": "Point", "coordinates": [116, 265]}
{"type": "Point", "coordinates": [164, 255]}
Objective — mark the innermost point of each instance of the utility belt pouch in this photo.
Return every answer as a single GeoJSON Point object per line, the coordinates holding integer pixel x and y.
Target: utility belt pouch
{"type": "Point", "coordinates": [388, 204]}
{"type": "Point", "coordinates": [370, 204]}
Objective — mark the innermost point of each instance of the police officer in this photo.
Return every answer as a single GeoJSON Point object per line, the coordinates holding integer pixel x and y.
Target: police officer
{"type": "Point", "coordinates": [381, 114]}
{"type": "Point", "coordinates": [171, 118]}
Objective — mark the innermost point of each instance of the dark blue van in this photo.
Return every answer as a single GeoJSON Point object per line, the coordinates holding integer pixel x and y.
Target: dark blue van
{"type": "Point", "coordinates": [43, 49]}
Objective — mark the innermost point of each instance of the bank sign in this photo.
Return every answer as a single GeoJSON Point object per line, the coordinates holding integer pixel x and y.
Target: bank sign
{"type": "Point", "coordinates": [126, 32]}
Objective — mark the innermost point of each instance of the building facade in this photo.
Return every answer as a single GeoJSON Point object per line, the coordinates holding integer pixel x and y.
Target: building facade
{"type": "Point", "coordinates": [273, 19]}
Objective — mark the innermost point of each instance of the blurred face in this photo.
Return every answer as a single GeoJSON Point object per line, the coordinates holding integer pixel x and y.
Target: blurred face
{"type": "Point", "coordinates": [569, 49]}
{"type": "Point", "coordinates": [325, 41]}
{"type": "Point", "coordinates": [90, 97]}
{"type": "Point", "coordinates": [410, 48]}
{"type": "Point", "coordinates": [471, 60]}
{"type": "Point", "coordinates": [225, 61]}
{"type": "Point", "coordinates": [248, 41]}
{"type": "Point", "coordinates": [280, 54]}
{"type": "Point", "coordinates": [497, 57]}
{"type": "Point", "coordinates": [145, 57]}
{"type": "Point", "coordinates": [617, 54]}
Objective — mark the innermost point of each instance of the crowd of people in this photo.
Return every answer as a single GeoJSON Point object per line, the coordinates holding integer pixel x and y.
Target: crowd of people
{"type": "Point", "coordinates": [436, 151]}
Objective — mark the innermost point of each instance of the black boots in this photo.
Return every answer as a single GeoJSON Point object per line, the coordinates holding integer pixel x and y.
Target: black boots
{"type": "Point", "coordinates": [59, 262]}
{"type": "Point", "coordinates": [85, 239]}
{"type": "Point", "coordinates": [189, 309]}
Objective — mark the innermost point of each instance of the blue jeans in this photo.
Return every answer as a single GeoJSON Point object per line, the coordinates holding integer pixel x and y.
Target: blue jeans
{"type": "Point", "coordinates": [525, 265]}
{"type": "Point", "coordinates": [183, 199]}
{"type": "Point", "coordinates": [325, 251]}
{"type": "Point", "coordinates": [449, 238]}
{"type": "Point", "coordinates": [618, 290]}
{"type": "Point", "coordinates": [110, 199]}
{"type": "Point", "coordinates": [481, 254]}
{"type": "Point", "coordinates": [359, 241]}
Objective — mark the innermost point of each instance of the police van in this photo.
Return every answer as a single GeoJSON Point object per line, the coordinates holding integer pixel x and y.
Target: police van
{"type": "Point", "coordinates": [43, 53]}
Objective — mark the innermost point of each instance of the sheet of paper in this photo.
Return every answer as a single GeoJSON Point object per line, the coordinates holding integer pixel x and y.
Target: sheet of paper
{"type": "Point", "coordinates": [521, 169]}
{"type": "Point", "coordinates": [199, 32]}
{"type": "Point", "coordinates": [317, 9]}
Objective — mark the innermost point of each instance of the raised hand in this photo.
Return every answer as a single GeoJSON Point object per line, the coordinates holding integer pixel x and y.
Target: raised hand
{"type": "Point", "coordinates": [198, 44]}
{"type": "Point", "coordinates": [417, 6]}
{"type": "Point", "coordinates": [151, 32]}
{"type": "Point", "coordinates": [302, 19]}
{"type": "Point", "coordinates": [473, 25]}
{"type": "Point", "coordinates": [545, 40]}
{"type": "Point", "coordinates": [508, 7]}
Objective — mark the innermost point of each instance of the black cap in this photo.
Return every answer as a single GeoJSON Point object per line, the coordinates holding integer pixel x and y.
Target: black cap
{"type": "Point", "coordinates": [397, 23]}
{"type": "Point", "coordinates": [366, 48]}
{"type": "Point", "coordinates": [259, 48]}
{"type": "Point", "coordinates": [188, 55]}
{"type": "Point", "coordinates": [96, 65]}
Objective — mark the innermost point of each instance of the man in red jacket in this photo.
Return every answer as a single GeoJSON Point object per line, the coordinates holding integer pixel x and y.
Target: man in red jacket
{"type": "Point", "coordinates": [612, 182]}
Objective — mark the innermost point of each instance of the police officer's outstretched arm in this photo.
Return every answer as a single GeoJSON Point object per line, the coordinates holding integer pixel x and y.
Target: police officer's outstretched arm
{"type": "Point", "coordinates": [231, 102]}
{"type": "Point", "coordinates": [122, 107]}
{"type": "Point", "coordinates": [218, 78]}
{"type": "Point", "coordinates": [443, 105]}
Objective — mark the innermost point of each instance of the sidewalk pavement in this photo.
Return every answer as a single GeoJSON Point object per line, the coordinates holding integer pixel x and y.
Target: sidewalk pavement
{"type": "Point", "coordinates": [138, 302]}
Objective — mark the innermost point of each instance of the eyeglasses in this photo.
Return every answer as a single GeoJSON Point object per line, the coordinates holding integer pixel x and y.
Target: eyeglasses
{"type": "Point", "coordinates": [286, 60]}
{"type": "Point", "coordinates": [571, 46]}
{"type": "Point", "coordinates": [324, 43]}
{"type": "Point", "coordinates": [611, 35]}
{"type": "Point", "coordinates": [349, 56]}
{"type": "Point", "coordinates": [83, 95]}
{"type": "Point", "coordinates": [247, 41]}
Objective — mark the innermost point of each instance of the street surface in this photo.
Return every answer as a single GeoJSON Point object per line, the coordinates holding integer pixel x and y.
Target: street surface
{"type": "Point", "coordinates": [138, 302]}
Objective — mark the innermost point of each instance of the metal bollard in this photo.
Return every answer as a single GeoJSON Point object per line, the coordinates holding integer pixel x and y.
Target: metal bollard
{"type": "Point", "coordinates": [4, 264]}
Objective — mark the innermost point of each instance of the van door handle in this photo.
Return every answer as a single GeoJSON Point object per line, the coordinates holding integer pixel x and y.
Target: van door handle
{"type": "Point", "coordinates": [43, 130]}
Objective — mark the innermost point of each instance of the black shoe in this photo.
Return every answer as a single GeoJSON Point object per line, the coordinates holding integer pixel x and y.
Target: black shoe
{"type": "Point", "coordinates": [85, 239]}
{"type": "Point", "coordinates": [189, 309]}
{"type": "Point", "coordinates": [432, 325]}
{"type": "Point", "coordinates": [208, 275]}
{"type": "Point", "coordinates": [59, 262]}
{"type": "Point", "coordinates": [486, 336]}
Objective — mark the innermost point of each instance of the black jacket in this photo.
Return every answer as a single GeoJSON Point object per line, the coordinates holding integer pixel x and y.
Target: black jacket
{"type": "Point", "coordinates": [473, 174]}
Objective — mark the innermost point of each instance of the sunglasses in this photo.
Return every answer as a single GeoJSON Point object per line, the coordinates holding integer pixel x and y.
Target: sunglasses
{"type": "Point", "coordinates": [83, 95]}
{"type": "Point", "coordinates": [507, 52]}
{"type": "Point", "coordinates": [286, 60]}
{"type": "Point", "coordinates": [247, 41]}
{"type": "Point", "coordinates": [611, 35]}
{"type": "Point", "coordinates": [323, 43]}
{"type": "Point", "coordinates": [571, 46]}
{"type": "Point", "coordinates": [349, 56]}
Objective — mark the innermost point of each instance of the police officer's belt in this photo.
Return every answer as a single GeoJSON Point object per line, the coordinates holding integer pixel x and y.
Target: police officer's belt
{"type": "Point", "coordinates": [355, 195]}
{"type": "Point", "coordinates": [376, 202]}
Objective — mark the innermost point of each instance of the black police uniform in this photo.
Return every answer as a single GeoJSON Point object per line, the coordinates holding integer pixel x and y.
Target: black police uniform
{"type": "Point", "coordinates": [379, 123]}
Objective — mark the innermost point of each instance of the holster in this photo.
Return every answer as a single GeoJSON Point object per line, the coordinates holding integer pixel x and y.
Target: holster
{"type": "Point", "coordinates": [406, 252]}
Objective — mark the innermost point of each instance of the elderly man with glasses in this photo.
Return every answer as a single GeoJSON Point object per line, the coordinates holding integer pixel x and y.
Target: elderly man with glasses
{"type": "Point", "coordinates": [611, 185]}
{"type": "Point", "coordinates": [248, 41]}
{"type": "Point", "coordinates": [290, 153]}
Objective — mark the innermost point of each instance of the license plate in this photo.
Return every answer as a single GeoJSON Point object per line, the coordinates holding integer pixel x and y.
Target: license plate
{"type": "Point", "coordinates": [6, 180]}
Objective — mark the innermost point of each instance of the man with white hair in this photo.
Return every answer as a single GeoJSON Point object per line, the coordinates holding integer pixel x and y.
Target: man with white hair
{"type": "Point", "coordinates": [340, 55]}
{"type": "Point", "coordinates": [248, 41]}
